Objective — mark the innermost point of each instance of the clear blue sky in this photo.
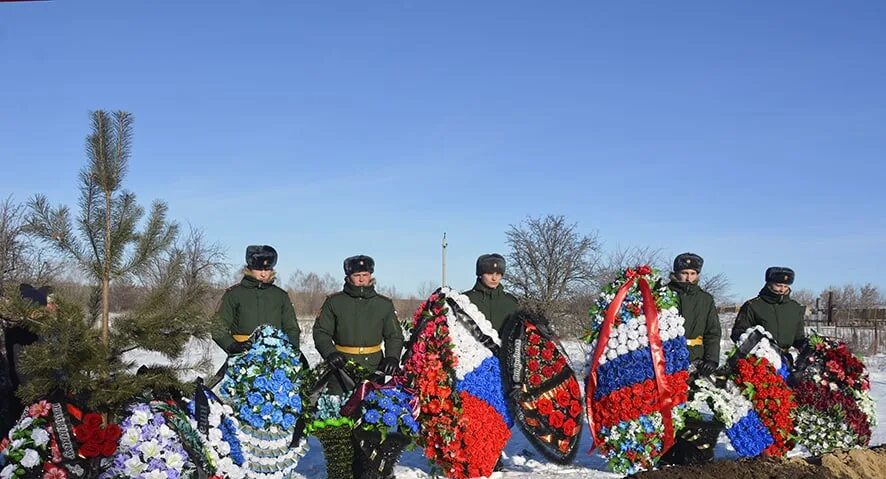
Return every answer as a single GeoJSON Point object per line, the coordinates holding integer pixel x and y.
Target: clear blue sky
{"type": "Point", "coordinates": [751, 133]}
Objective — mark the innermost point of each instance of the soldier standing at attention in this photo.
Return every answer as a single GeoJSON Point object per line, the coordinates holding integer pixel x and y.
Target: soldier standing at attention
{"type": "Point", "coordinates": [697, 307]}
{"type": "Point", "coordinates": [488, 294]}
{"type": "Point", "coordinates": [254, 301]}
{"type": "Point", "coordinates": [774, 309]}
{"type": "Point", "coordinates": [354, 322]}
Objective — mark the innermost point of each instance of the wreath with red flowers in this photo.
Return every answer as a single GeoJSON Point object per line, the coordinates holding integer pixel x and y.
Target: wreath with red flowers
{"type": "Point", "coordinates": [773, 400]}
{"type": "Point", "coordinates": [545, 396]}
{"type": "Point", "coordinates": [430, 368]}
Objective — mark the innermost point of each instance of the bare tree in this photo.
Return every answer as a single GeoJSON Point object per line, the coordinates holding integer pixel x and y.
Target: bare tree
{"type": "Point", "coordinates": [718, 287]}
{"type": "Point", "coordinates": [309, 290]}
{"type": "Point", "coordinates": [869, 296]}
{"type": "Point", "coordinates": [805, 297]}
{"type": "Point", "coordinates": [21, 259]}
{"type": "Point", "coordinates": [549, 260]}
{"type": "Point", "coordinates": [426, 288]}
{"type": "Point", "coordinates": [619, 259]}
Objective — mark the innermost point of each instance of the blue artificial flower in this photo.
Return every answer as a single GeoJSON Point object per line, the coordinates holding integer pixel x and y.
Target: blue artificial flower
{"type": "Point", "coordinates": [257, 422]}
{"type": "Point", "coordinates": [371, 396]}
{"type": "Point", "coordinates": [277, 416]}
{"type": "Point", "coordinates": [646, 424]}
{"type": "Point", "coordinates": [288, 421]}
{"type": "Point", "coordinates": [254, 399]}
{"type": "Point", "coordinates": [372, 416]}
{"type": "Point", "coordinates": [245, 411]}
{"type": "Point", "coordinates": [261, 383]}
{"type": "Point", "coordinates": [279, 375]}
{"type": "Point", "coordinates": [281, 399]}
{"type": "Point", "coordinates": [267, 409]}
{"type": "Point", "coordinates": [390, 419]}
{"type": "Point", "coordinates": [295, 403]}
{"type": "Point", "coordinates": [386, 403]}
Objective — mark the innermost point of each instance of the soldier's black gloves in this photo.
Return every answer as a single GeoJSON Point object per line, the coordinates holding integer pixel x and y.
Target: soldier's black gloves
{"type": "Point", "coordinates": [706, 368]}
{"type": "Point", "coordinates": [336, 360]}
{"type": "Point", "coordinates": [238, 347]}
{"type": "Point", "coordinates": [389, 366]}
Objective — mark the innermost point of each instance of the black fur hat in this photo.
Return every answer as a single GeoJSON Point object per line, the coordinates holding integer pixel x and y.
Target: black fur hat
{"type": "Point", "coordinates": [779, 274]}
{"type": "Point", "coordinates": [491, 263]}
{"type": "Point", "coordinates": [33, 294]}
{"type": "Point", "coordinates": [688, 261]}
{"type": "Point", "coordinates": [359, 264]}
{"type": "Point", "coordinates": [260, 257]}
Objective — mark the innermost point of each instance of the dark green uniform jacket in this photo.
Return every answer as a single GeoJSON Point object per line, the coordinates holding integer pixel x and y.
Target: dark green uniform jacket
{"type": "Point", "coordinates": [496, 304]}
{"type": "Point", "coordinates": [358, 316]}
{"type": "Point", "coordinates": [778, 314]}
{"type": "Point", "coordinates": [697, 306]}
{"type": "Point", "coordinates": [251, 303]}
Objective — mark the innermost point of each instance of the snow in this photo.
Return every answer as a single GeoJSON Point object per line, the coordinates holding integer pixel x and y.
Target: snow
{"type": "Point", "coordinates": [521, 458]}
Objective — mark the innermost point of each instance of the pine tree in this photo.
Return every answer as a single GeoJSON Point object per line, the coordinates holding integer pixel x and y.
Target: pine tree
{"type": "Point", "coordinates": [99, 363]}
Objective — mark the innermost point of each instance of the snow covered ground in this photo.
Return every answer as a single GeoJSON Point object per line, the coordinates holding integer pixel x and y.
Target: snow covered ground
{"type": "Point", "coordinates": [522, 460]}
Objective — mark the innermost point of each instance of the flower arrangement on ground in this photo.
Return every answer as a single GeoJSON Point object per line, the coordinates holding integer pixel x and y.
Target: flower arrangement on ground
{"type": "Point", "coordinates": [755, 365]}
{"type": "Point", "coordinates": [263, 386]}
{"type": "Point", "coordinates": [545, 397]}
{"type": "Point", "coordinates": [832, 388]}
{"type": "Point", "coordinates": [452, 367]}
{"type": "Point", "coordinates": [637, 381]}
{"type": "Point", "coordinates": [149, 448]}
{"type": "Point", "coordinates": [57, 441]}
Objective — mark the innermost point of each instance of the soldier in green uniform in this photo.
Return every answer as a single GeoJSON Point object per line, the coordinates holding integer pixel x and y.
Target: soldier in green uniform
{"type": "Point", "coordinates": [253, 302]}
{"type": "Point", "coordinates": [488, 294]}
{"type": "Point", "coordinates": [354, 322]}
{"type": "Point", "coordinates": [774, 309]}
{"type": "Point", "coordinates": [697, 307]}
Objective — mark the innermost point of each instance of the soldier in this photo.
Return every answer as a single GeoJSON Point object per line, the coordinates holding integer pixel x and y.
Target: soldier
{"type": "Point", "coordinates": [774, 309]}
{"type": "Point", "coordinates": [353, 323]}
{"type": "Point", "coordinates": [253, 302]}
{"type": "Point", "coordinates": [488, 294]}
{"type": "Point", "coordinates": [697, 307]}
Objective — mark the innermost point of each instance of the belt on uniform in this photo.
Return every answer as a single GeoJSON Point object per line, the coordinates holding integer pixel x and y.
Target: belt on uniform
{"type": "Point", "coordinates": [240, 338]}
{"type": "Point", "coordinates": [694, 341]}
{"type": "Point", "coordinates": [359, 349]}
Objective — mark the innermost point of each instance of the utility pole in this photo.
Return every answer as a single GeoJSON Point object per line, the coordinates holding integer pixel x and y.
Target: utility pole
{"type": "Point", "coordinates": [444, 244]}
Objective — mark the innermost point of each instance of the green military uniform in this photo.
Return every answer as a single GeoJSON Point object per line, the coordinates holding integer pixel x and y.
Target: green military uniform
{"type": "Point", "coordinates": [496, 304]}
{"type": "Point", "coordinates": [248, 305]}
{"type": "Point", "coordinates": [358, 317]}
{"type": "Point", "coordinates": [777, 313]}
{"type": "Point", "coordinates": [702, 323]}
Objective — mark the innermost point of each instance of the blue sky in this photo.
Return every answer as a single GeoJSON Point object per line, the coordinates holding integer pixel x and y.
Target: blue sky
{"type": "Point", "coordinates": [752, 134]}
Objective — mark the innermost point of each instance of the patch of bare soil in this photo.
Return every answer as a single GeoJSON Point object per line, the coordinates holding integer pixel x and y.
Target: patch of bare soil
{"type": "Point", "coordinates": [842, 464]}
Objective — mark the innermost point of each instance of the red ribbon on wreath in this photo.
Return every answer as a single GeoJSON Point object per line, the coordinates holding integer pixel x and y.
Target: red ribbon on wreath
{"type": "Point", "coordinates": [665, 399]}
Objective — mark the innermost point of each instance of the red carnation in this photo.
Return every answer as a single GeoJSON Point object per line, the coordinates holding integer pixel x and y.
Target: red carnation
{"type": "Point", "coordinates": [547, 354]}
{"type": "Point", "coordinates": [563, 398]}
{"type": "Point", "coordinates": [534, 380]}
{"type": "Point", "coordinates": [547, 371]}
{"type": "Point", "coordinates": [532, 365]}
{"type": "Point", "coordinates": [534, 339]}
{"type": "Point", "coordinates": [532, 351]}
